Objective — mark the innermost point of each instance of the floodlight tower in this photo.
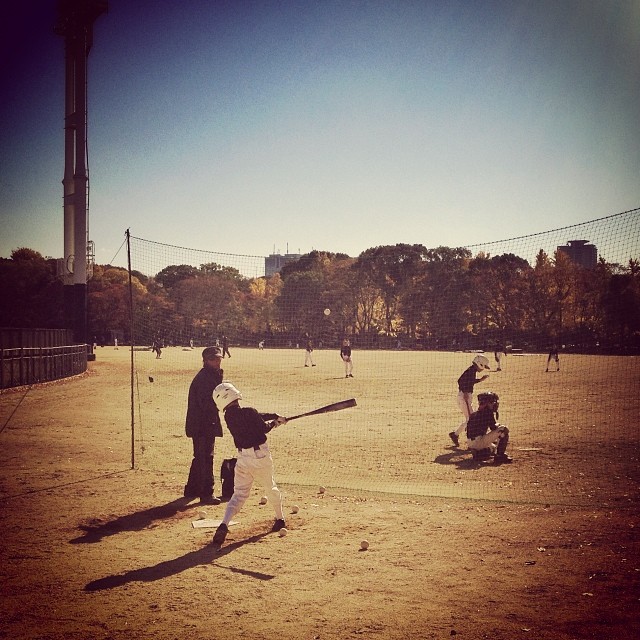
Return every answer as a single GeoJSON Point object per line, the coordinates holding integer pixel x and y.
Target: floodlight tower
{"type": "Point", "coordinates": [75, 23]}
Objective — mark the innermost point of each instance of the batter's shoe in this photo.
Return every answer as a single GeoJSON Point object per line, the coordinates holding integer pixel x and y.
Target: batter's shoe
{"type": "Point", "coordinates": [278, 524]}
{"type": "Point", "coordinates": [502, 458]}
{"type": "Point", "coordinates": [454, 438]}
{"type": "Point", "coordinates": [220, 534]}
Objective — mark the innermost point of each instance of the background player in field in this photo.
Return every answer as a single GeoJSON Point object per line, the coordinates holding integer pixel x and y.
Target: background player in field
{"type": "Point", "coordinates": [484, 434]}
{"type": "Point", "coordinates": [466, 383]}
{"type": "Point", "coordinates": [203, 426]}
{"type": "Point", "coordinates": [553, 355]}
{"type": "Point", "coordinates": [345, 354]}
{"type": "Point", "coordinates": [500, 355]}
{"type": "Point", "coordinates": [225, 346]}
{"type": "Point", "coordinates": [249, 430]}
{"type": "Point", "coordinates": [308, 353]}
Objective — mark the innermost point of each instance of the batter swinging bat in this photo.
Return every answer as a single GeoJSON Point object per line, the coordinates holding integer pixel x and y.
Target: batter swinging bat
{"type": "Point", "coordinates": [336, 406]}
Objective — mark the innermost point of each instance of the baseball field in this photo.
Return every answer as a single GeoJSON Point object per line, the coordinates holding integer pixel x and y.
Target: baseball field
{"type": "Point", "coordinates": [546, 547]}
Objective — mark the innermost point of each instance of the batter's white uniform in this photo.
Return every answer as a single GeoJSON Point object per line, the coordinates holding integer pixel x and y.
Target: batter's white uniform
{"type": "Point", "coordinates": [253, 464]}
{"type": "Point", "coordinates": [465, 400]}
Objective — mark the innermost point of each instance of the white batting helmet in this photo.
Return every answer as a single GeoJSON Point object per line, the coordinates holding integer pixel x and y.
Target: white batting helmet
{"type": "Point", "coordinates": [482, 362]}
{"type": "Point", "coordinates": [224, 394]}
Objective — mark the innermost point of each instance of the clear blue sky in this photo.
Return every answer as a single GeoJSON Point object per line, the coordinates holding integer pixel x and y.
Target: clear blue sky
{"type": "Point", "coordinates": [241, 127]}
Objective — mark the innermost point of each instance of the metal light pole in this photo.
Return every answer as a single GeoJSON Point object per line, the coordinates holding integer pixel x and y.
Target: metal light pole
{"type": "Point", "coordinates": [75, 23]}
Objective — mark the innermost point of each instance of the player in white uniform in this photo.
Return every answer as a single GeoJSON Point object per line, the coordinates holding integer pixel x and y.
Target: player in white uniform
{"type": "Point", "coordinates": [500, 354]}
{"type": "Point", "coordinates": [466, 383]}
{"type": "Point", "coordinates": [345, 354]}
{"type": "Point", "coordinates": [249, 430]}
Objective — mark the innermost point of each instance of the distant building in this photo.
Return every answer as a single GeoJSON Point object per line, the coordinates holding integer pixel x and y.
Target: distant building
{"type": "Point", "coordinates": [276, 261]}
{"type": "Point", "coordinates": [581, 252]}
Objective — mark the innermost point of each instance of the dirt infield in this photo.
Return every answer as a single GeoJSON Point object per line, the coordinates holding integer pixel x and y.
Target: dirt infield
{"type": "Point", "coordinates": [544, 548]}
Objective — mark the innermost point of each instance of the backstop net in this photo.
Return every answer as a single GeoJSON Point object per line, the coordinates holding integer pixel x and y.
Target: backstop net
{"type": "Point", "coordinates": [415, 318]}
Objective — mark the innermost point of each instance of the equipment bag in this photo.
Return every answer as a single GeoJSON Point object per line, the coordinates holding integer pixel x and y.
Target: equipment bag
{"type": "Point", "coordinates": [227, 472]}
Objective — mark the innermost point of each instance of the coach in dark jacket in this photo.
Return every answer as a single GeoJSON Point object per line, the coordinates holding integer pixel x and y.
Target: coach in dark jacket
{"type": "Point", "coordinates": [203, 426]}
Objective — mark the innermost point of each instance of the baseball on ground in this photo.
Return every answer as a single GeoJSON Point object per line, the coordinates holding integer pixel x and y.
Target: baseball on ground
{"type": "Point", "coordinates": [295, 508]}
{"type": "Point", "coordinates": [263, 500]}
{"type": "Point", "coordinates": [364, 545]}
{"type": "Point", "coordinates": [202, 515]}
{"type": "Point", "coordinates": [327, 312]}
{"type": "Point", "coordinates": [283, 532]}
{"type": "Point", "coordinates": [321, 489]}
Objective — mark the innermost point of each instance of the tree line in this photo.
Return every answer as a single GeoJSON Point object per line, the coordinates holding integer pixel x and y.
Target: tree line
{"type": "Point", "coordinates": [396, 296]}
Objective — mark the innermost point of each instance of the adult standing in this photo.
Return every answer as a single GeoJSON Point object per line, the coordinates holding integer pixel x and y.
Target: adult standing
{"type": "Point", "coordinates": [203, 426]}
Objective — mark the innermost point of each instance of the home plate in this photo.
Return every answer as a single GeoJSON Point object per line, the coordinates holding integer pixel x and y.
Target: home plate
{"type": "Point", "coordinates": [529, 448]}
{"type": "Point", "coordinates": [208, 523]}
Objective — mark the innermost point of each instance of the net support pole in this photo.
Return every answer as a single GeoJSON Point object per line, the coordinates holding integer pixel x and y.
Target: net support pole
{"type": "Point", "coordinates": [133, 447]}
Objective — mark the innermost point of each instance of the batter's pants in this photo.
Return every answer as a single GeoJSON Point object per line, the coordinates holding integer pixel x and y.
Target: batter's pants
{"type": "Point", "coordinates": [253, 464]}
{"type": "Point", "coordinates": [465, 403]}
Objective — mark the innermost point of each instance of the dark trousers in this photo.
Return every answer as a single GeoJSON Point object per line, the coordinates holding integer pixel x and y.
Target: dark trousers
{"type": "Point", "coordinates": [200, 482]}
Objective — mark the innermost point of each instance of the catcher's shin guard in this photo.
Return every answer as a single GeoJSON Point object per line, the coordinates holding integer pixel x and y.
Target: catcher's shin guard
{"type": "Point", "coordinates": [503, 442]}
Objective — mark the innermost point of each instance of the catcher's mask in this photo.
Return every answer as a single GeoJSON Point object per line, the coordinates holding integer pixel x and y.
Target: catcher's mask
{"type": "Point", "coordinates": [488, 397]}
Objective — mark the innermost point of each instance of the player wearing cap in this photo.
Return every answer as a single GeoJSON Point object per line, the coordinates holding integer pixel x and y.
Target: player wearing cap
{"type": "Point", "coordinates": [249, 430]}
{"type": "Point", "coordinates": [485, 436]}
{"type": "Point", "coordinates": [345, 354]}
{"type": "Point", "coordinates": [203, 426]}
{"type": "Point", "coordinates": [466, 382]}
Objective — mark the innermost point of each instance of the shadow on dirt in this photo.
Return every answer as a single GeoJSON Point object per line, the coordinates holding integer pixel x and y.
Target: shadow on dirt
{"type": "Point", "coordinates": [96, 530]}
{"type": "Point", "coordinates": [462, 459]}
{"type": "Point", "coordinates": [205, 556]}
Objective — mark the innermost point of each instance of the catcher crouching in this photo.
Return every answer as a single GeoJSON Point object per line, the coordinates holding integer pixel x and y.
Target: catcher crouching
{"type": "Point", "coordinates": [485, 436]}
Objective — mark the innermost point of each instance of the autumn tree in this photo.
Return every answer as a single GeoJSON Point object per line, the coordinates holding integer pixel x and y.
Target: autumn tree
{"type": "Point", "coordinates": [31, 294]}
{"type": "Point", "coordinates": [108, 302]}
{"type": "Point", "coordinates": [393, 270]}
{"type": "Point", "coordinates": [500, 294]}
{"type": "Point", "coordinates": [444, 294]}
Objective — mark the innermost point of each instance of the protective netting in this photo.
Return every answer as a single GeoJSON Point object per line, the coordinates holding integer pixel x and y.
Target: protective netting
{"type": "Point", "coordinates": [415, 318]}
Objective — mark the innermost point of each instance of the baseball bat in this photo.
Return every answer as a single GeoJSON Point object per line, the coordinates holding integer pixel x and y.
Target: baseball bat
{"type": "Point", "coordinates": [336, 406]}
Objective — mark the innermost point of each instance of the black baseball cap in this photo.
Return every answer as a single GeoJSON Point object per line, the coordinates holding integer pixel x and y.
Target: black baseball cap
{"type": "Point", "coordinates": [209, 353]}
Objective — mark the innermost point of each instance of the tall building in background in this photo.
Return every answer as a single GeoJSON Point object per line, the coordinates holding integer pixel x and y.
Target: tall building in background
{"type": "Point", "coordinates": [581, 252]}
{"type": "Point", "coordinates": [276, 261]}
